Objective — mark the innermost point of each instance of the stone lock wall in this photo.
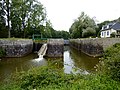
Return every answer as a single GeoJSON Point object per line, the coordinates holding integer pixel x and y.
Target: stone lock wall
{"type": "Point", "coordinates": [93, 46]}
{"type": "Point", "coordinates": [17, 48]}
{"type": "Point", "coordinates": [55, 48]}
{"type": "Point", "coordinates": [36, 46]}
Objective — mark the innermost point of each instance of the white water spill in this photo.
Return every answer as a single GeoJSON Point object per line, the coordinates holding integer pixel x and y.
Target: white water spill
{"type": "Point", "coordinates": [38, 59]}
{"type": "Point", "coordinates": [41, 53]}
{"type": "Point", "coordinates": [42, 50]}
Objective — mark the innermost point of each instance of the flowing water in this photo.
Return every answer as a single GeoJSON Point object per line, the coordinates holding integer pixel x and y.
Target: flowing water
{"type": "Point", "coordinates": [73, 61]}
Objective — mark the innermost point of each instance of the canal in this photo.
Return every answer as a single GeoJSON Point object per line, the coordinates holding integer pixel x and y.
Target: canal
{"type": "Point", "coordinates": [72, 62]}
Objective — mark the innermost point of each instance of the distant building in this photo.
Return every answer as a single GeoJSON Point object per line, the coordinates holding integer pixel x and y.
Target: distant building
{"type": "Point", "coordinates": [110, 28]}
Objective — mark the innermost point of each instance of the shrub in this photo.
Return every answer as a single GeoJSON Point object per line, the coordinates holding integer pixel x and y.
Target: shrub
{"type": "Point", "coordinates": [88, 32]}
{"type": "Point", "coordinates": [47, 78]}
{"type": "Point", "coordinates": [110, 63]}
{"type": "Point", "coordinates": [2, 52]}
{"type": "Point", "coordinates": [113, 34]}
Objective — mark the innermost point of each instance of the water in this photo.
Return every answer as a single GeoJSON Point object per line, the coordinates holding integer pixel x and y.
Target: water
{"type": "Point", "coordinates": [78, 62]}
{"type": "Point", "coordinates": [72, 62]}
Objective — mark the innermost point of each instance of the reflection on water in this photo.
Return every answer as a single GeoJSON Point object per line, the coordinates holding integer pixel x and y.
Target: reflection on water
{"type": "Point", "coordinates": [73, 61]}
{"type": "Point", "coordinates": [78, 62]}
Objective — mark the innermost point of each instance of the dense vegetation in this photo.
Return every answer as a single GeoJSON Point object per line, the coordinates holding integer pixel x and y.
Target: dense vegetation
{"type": "Point", "coordinates": [25, 18]}
{"type": "Point", "coordinates": [45, 78]}
{"type": "Point", "coordinates": [110, 63]}
{"type": "Point", "coordinates": [83, 26]}
{"type": "Point", "coordinates": [50, 78]}
{"type": "Point", "coordinates": [2, 52]}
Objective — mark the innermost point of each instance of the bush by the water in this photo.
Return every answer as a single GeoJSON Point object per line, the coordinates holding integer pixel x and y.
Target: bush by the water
{"type": "Point", "coordinates": [45, 78]}
{"type": "Point", "coordinates": [110, 63]}
{"type": "Point", "coordinates": [2, 52]}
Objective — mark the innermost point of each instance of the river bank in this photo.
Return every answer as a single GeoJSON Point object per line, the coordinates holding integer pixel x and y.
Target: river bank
{"type": "Point", "coordinates": [50, 78]}
{"type": "Point", "coordinates": [44, 78]}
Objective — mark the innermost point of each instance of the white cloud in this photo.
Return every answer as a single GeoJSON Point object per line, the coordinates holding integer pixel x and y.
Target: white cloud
{"type": "Point", "coordinates": [63, 12]}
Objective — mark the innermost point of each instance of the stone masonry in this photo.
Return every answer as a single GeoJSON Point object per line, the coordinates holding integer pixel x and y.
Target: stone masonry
{"type": "Point", "coordinates": [16, 48]}
{"type": "Point", "coordinates": [55, 48]}
{"type": "Point", "coordinates": [93, 46]}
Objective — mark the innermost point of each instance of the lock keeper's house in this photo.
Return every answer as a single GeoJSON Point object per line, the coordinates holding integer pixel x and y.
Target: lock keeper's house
{"type": "Point", "coordinates": [109, 29]}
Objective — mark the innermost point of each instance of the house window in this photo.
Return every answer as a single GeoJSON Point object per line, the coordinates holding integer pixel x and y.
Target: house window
{"type": "Point", "coordinates": [110, 26]}
{"type": "Point", "coordinates": [105, 27]}
{"type": "Point", "coordinates": [102, 33]}
{"type": "Point", "coordinates": [107, 33]}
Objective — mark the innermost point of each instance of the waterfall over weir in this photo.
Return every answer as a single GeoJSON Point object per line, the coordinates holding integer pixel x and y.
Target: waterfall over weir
{"type": "Point", "coordinates": [41, 52]}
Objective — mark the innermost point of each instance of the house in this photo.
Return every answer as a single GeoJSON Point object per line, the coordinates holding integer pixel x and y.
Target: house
{"type": "Point", "coordinates": [110, 28]}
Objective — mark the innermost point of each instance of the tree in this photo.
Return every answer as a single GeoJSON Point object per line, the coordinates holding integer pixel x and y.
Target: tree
{"type": "Point", "coordinates": [2, 14]}
{"type": "Point", "coordinates": [26, 15]}
{"type": "Point", "coordinates": [5, 11]}
{"type": "Point", "coordinates": [8, 16]}
{"type": "Point", "coordinates": [3, 29]}
{"type": "Point", "coordinates": [48, 30]}
{"type": "Point", "coordinates": [89, 32]}
{"type": "Point", "coordinates": [81, 25]}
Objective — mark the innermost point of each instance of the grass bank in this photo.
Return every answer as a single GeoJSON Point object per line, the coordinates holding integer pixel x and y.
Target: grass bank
{"type": "Point", "coordinates": [14, 39]}
{"type": "Point", "coordinates": [44, 78]}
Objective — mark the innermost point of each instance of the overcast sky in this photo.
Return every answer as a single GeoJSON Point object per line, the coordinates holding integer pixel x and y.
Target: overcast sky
{"type": "Point", "coordinates": [62, 13]}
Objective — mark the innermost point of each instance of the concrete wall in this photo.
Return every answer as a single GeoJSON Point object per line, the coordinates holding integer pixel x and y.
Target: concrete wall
{"type": "Point", "coordinates": [36, 46]}
{"type": "Point", "coordinates": [93, 46]}
{"type": "Point", "coordinates": [55, 48]}
{"type": "Point", "coordinates": [17, 48]}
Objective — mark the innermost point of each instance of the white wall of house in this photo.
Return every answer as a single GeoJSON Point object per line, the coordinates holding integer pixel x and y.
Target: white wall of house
{"type": "Point", "coordinates": [106, 33]}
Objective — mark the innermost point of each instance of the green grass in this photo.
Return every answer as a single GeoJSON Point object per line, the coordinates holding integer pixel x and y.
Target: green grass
{"type": "Point", "coordinates": [14, 39]}
{"type": "Point", "coordinates": [40, 41]}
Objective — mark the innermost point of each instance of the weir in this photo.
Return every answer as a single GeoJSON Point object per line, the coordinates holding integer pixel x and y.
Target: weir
{"type": "Point", "coordinates": [41, 53]}
{"type": "Point", "coordinates": [53, 48]}
{"type": "Point", "coordinates": [42, 50]}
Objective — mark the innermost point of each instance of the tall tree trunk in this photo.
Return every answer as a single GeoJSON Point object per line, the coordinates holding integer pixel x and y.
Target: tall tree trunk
{"type": "Point", "coordinates": [8, 17]}
{"type": "Point", "coordinates": [23, 26]}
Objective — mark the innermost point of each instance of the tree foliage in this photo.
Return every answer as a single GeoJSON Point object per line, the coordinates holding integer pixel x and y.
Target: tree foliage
{"type": "Point", "coordinates": [81, 25]}
{"type": "Point", "coordinates": [49, 32]}
{"type": "Point", "coordinates": [5, 15]}
{"type": "Point", "coordinates": [20, 18]}
{"type": "Point", "coordinates": [3, 28]}
{"type": "Point", "coordinates": [26, 16]}
{"type": "Point", "coordinates": [89, 32]}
